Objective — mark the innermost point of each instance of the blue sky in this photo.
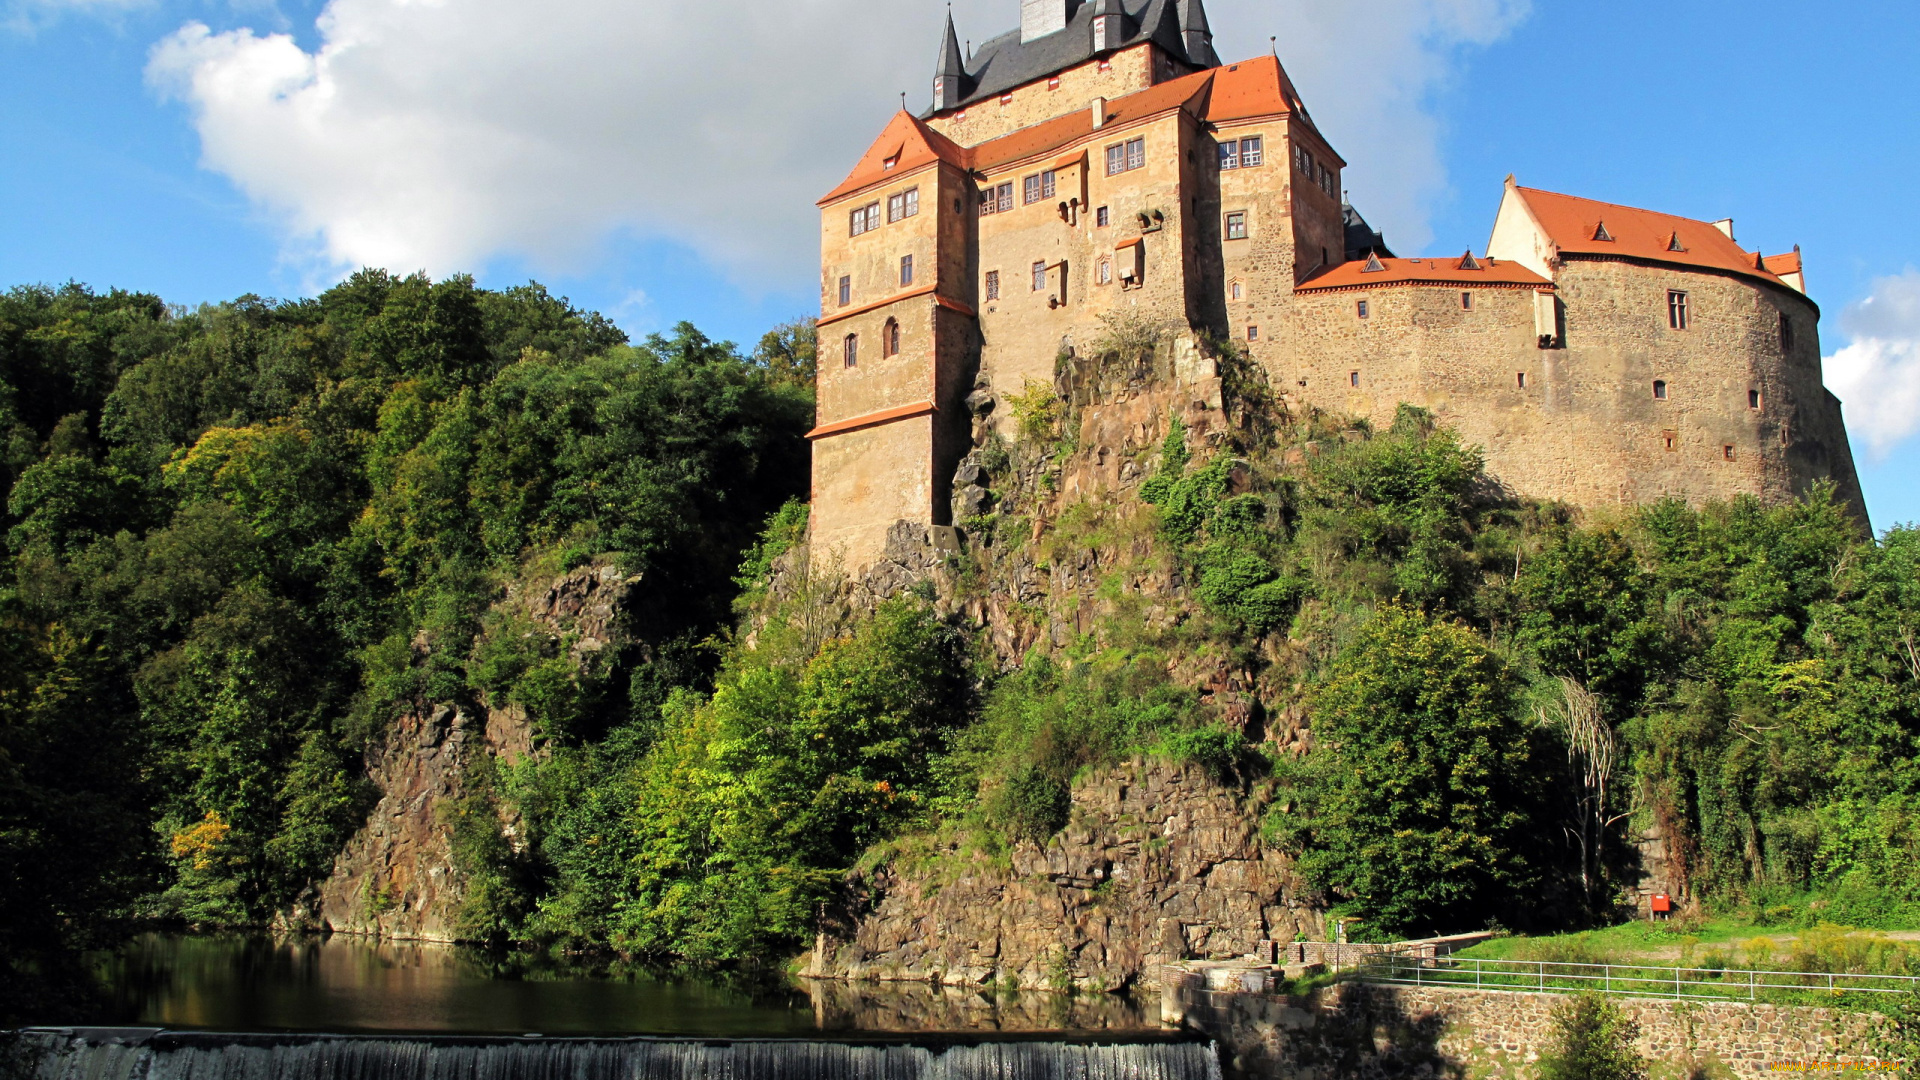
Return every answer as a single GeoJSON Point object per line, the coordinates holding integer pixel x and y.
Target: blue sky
{"type": "Point", "coordinates": [659, 165]}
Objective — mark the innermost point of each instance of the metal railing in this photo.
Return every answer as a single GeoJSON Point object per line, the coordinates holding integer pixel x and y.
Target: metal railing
{"type": "Point", "coordinates": [1628, 980]}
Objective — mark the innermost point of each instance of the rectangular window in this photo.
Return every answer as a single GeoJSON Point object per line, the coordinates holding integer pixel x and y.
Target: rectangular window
{"type": "Point", "coordinates": [1032, 189]}
{"type": "Point", "coordinates": [846, 291]}
{"type": "Point", "coordinates": [1786, 332]}
{"type": "Point", "coordinates": [1671, 439]}
{"type": "Point", "coordinates": [1126, 156]}
{"type": "Point", "coordinates": [1521, 378]}
{"type": "Point", "coordinates": [1116, 160]}
{"type": "Point", "coordinates": [1659, 390]}
{"type": "Point", "coordinates": [1103, 217]}
{"type": "Point", "coordinates": [1353, 379]}
{"type": "Point", "coordinates": [1326, 180]}
{"type": "Point", "coordinates": [1753, 399]}
{"type": "Point", "coordinates": [1236, 291]}
{"type": "Point", "coordinates": [996, 200]}
{"type": "Point", "coordinates": [865, 220]}
{"type": "Point", "coordinates": [1006, 99]}
{"type": "Point", "coordinates": [1237, 225]}
{"type": "Point", "coordinates": [993, 284]}
{"type": "Point", "coordinates": [1252, 152]}
{"type": "Point", "coordinates": [906, 270]}
{"type": "Point", "coordinates": [1039, 277]}
{"type": "Point", "coordinates": [903, 206]}
{"type": "Point", "coordinates": [850, 350]}
{"type": "Point", "coordinates": [1466, 301]}
{"type": "Point", "coordinates": [1053, 83]}
{"type": "Point", "coordinates": [1136, 153]}
{"type": "Point", "coordinates": [1303, 160]}
{"type": "Point", "coordinates": [1727, 452]}
{"type": "Point", "coordinates": [1230, 154]}
{"type": "Point", "coordinates": [1253, 333]}
{"type": "Point", "coordinates": [1678, 316]}
{"type": "Point", "coordinates": [1049, 183]}
{"type": "Point", "coordinates": [1364, 312]}
{"type": "Point", "coordinates": [1106, 272]}
{"type": "Point", "coordinates": [1005, 196]}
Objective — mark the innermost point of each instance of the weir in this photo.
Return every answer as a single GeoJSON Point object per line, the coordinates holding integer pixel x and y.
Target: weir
{"type": "Point", "coordinates": [147, 1054]}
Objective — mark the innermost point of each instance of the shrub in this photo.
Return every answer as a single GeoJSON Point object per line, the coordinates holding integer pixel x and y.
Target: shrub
{"type": "Point", "coordinates": [1592, 1040]}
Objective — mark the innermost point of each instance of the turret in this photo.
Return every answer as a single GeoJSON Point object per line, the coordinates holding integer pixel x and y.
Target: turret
{"type": "Point", "coordinates": [950, 74]}
{"type": "Point", "coordinates": [1110, 27]}
{"type": "Point", "coordinates": [1196, 35]}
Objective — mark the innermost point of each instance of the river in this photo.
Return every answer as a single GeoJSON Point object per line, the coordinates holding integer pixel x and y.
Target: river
{"type": "Point", "coordinates": [347, 985]}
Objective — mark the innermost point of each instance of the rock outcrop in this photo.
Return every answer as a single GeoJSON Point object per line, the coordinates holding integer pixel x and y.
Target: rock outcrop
{"type": "Point", "coordinates": [1159, 863]}
{"type": "Point", "coordinates": [398, 877]}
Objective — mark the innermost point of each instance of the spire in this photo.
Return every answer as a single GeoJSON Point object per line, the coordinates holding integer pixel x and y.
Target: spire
{"type": "Point", "coordinates": [1196, 35]}
{"type": "Point", "coordinates": [950, 75]}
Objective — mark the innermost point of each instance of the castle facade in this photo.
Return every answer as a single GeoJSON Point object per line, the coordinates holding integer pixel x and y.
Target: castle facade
{"type": "Point", "coordinates": [1101, 161]}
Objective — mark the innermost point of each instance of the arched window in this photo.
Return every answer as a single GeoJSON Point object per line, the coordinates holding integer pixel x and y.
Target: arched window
{"type": "Point", "coordinates": [890, 339]}
{"type": "Point", "coordinates": [1659, 390]}
{"type": "Point", "coordinates": [850, 349]}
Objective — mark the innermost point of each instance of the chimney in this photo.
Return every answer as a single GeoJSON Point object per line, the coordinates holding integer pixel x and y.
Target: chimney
{"type": "Point", "coordinates": [1725, 225]}
{"type": "Point", "coordinates": [1099, 113]}
{"type": "Point", "coordinates": [1038, 18]}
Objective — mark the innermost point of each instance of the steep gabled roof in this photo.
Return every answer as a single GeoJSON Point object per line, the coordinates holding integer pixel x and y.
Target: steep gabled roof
{"type": "Point", "coordinates": [909, 145]}
{"type": "Point", "coordinates": [1575, 226]}
{"type": "Point", "coordinates": [1006, 62]}
{"type": "Point", "coordinates": [1452, 272]}
{"type": "Point", "coordinates": [1782, 265]}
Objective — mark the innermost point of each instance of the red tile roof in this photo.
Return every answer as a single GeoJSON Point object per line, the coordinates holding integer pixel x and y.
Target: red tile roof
{"type": "Point", "coordinates": [1782, 265]}
{"type": "Point", "coordinates": [909, 144]}
{"type": "Point", "coordinates": [1492, 274]}
{"type": "Point", "coordinates": [1063, 131]}
{"type": "Point", "coordinates": [1252, 88]}
{"type": "Point", "coordinates": [1575, 227]}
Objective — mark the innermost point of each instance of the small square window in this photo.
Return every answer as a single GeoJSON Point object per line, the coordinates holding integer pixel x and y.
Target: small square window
{"type": "Point", "coordinates": [1753, 399]}
{"type": "Point", "coordinates": [1659, 390]}
{"type": "Point", "coordinates": [1521, 379]}
{"type": "Point", "coordinates": [993, 284]}
{"type": "Point", "coordinates": [1253, 333]}
{"type": "Point", "coordinates": [1237, 225]}
{"type": "Point", "coordinates": [1466, 301]}
{"type": "Point", "coordinates": [1364, 311]}
{"type": "Point", "coordinates": [1103, 217]}
{"type": "Point", "coordinates": [906, 270]}
{"type": "Point", "coordinates": [1726, 452]}
{"type": "Point", "coordinates": [846, 291]}
{"type": "Point", "coordinates": [1353, 378]}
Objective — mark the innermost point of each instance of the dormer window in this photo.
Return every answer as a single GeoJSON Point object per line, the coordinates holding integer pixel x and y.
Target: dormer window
{"type": "Point", "coordinates": [1601, 235]}
{"type": "Point", "coordinates": [891, 162]}
{"type": "Point", "coordinates": [1053, 83]}
{"type": "Point", "coordinates": [1674, 244]}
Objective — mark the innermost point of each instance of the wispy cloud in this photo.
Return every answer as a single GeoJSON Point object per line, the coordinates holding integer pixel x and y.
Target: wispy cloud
{"type": "Point", "coordinates": [427, 134]}
{"type": "Point", "coordinates": [1877, 375]}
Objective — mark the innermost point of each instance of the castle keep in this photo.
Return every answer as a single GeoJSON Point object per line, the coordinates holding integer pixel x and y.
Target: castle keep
{"type": "Point", "coordinates": [1101, 161]}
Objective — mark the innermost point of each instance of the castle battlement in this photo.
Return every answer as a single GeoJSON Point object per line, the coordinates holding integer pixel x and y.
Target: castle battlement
{"type": "Point", "coordinates": [1101, 161]}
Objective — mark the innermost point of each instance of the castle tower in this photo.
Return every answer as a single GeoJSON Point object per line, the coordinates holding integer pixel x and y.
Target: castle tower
{"type": "Point", "coordinates": [950, 73]}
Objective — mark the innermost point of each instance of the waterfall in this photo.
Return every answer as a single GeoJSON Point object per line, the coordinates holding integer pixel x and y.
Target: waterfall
{"type": "Point", "coordinates": [139, 1054]}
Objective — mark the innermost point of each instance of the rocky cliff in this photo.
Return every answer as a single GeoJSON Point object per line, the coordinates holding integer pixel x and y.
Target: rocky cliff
{"type": "Point", "coordinates": [398, 876]}
{"type": "Point", "coordinates": [1158, 863]}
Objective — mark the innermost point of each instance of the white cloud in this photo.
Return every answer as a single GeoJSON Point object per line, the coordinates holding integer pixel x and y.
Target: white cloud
{"type": "Point", "coordinates": [437, 134]}
{"type": "Point", "coordinates": [1877, 375]}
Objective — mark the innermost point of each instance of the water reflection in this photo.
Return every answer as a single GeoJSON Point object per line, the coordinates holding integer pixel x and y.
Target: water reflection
{"type": "Point", "coordinates": [352, 985]}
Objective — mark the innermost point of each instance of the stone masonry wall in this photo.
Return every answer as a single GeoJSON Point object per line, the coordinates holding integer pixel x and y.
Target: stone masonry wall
{"type": "Point", "coordinates": [1354, 1030]}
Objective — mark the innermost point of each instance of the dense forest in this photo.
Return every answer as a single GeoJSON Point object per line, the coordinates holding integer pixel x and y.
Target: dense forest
{"type": "Point", "coordinates": [241, 540]}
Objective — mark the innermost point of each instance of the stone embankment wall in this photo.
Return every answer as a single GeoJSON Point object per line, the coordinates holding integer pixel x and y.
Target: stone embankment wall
{"type": "Point", "coordinates": [1355, 1030]}
{"type": "Point", "coordinates": [1159, 863]}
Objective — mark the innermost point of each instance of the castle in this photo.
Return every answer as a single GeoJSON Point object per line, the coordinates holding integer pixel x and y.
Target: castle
{"type": "Point", "coordinates": [1102, 161]}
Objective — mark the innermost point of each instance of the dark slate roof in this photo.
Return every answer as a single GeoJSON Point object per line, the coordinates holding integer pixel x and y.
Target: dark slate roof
{"type": "Point", "coordinates": [1005, 62]}
{"type": "Point", "coordinates": [1362, 239]}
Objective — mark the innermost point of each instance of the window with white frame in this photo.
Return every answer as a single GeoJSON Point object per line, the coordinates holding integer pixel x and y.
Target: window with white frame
{"type": "Point", "coordinates": [1237, 225]}
{"type": "Point", "coordinates": [904, 205]}
{"type": "Point", "coordinates": [1105, 274]}
{"type": "Point", "coordinates": [1103, 217]}
{"type": "Point", "coordinates": [1041, 186]}
{"type": "Point", "coordinates": [995, 200]}
{"type": "Point", "coordinates": [1248, 153]}
{"type": "Point", "coordinates": [864, 220]}
{"type": "Point", "coordinates": [1126, 156]}
{"type": "Point", "coordinates": [1039, 277]}
{"type": "Point", "coordinates": [993, 284]}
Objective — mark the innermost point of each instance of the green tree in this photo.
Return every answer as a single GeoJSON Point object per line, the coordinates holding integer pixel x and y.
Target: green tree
{"type": "Point", "coordinates": [1592, 1040]}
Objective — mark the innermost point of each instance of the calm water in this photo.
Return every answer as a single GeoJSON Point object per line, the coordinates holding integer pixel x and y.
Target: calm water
{"type": "Point", "coordinates": [349, 985]}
